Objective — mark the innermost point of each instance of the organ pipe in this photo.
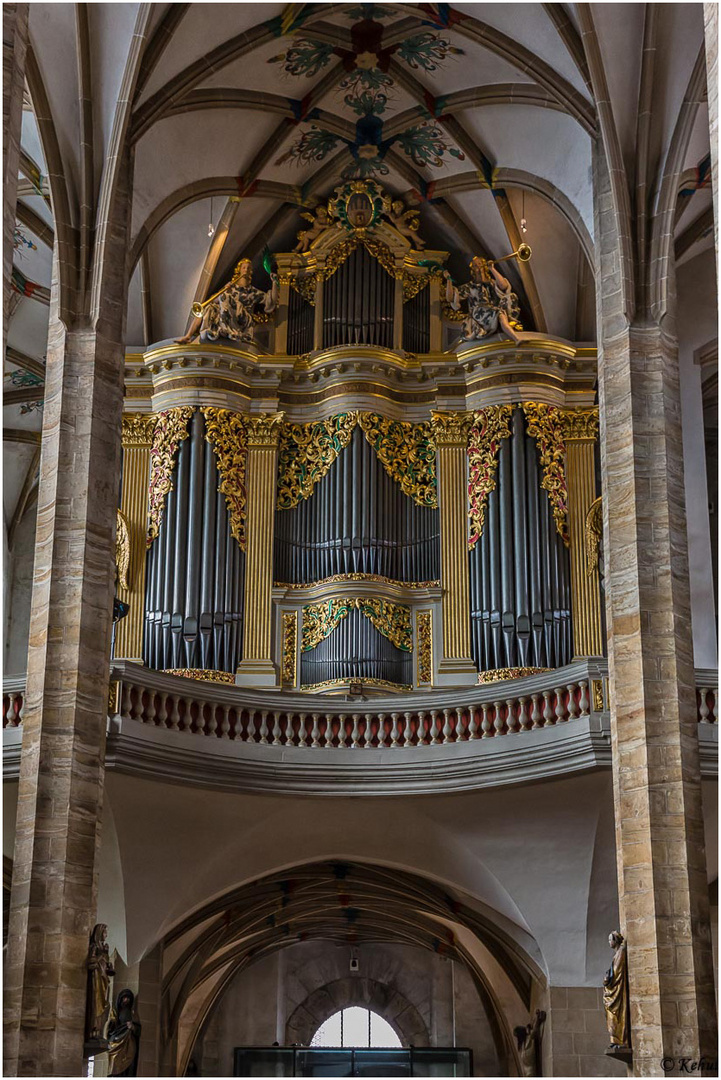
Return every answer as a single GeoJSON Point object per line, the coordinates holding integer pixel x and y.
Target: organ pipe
{"type": "Point", "coordinates": [358, 520]}
{"type": "Point", "coordinates": [358, 303]}
{"type": "Point", "coordinates": [356, 650]}
{"type": "Point", "coordinates": [195, 570]}
{"type": "Point", "coordinates": [519, 569]}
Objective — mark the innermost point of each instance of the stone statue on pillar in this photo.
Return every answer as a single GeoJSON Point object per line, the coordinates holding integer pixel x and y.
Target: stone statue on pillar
{"type": "Point", "coordinates": [124, 1036]}
{"type": "Point", "coordinates": [615, 999]}
{"type": "Point", "coordinates": [100, 970]}
{"type": "Point", "coordinates": [528, 1039]}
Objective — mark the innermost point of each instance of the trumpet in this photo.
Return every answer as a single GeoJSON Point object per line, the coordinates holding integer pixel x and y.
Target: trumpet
{"type": "Point", "coordinates": [197, 308]}
{"type": "Point", "coordinates": [522, 253]}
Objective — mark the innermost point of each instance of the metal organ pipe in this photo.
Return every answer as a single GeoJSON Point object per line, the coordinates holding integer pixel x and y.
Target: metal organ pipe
{"type": "Point", "coordinates": [194, 588]}
{"type": "Point", "coordinates": [358, 303]}
{"type": "Point", "coordinates": [519, 569]}
{"type": "Point", "coordinates": [356, 650]}
{"type": "Point", "coordinates": [357, 521]}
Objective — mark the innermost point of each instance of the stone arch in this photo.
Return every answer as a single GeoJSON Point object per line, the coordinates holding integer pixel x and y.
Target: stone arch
{"type": "Point", "coordinates": [380, 998]}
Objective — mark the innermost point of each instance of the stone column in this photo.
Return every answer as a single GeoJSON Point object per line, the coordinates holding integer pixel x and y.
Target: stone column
{"type": "Point", "coordinates": [710, 21]}
{"type": "Point", "coordinates": [15, 40]}
{"type": "Point", "coordinates": [580, 435]}
{"type": "Point", "coordinates": [137, 440]}
{"type": "Point", "coordinates": [450, 431]}
{"type": "Point", "coordinates": [663, 892]}
{"type": "Point", "coordinates": [257, 668]}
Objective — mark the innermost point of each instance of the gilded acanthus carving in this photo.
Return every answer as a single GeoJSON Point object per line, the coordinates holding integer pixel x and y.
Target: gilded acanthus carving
{"type": "Point", "coordinates": [138, 430]}
{"type": "Point", "coordinates": [202, 674]}
{"type": "Point", "coordinates": [408, 454]}
{"type": "Point", "coordinates": [290, 646]}
{"type": "Point", "coordinates": [380, 251]}
{"type": "Point", "coordinates": [451, 428]}
{"type": "Point", "coordinates": [226, 431]}
{"type": "Point", "coordinates": [336, 684]}
{"type": "Point", "coordinates": [304, 285]}
{"type": "Point", "coordinates": [489, 426]}
{"type": "Point", "coordinates": [122, 549]}
{"type": "Point", "coordinates": [171, 428]}
{"type": "Point", "coordinates": [264, 430]}
{"type": "Point", "coordinates": [504, 674]}
{"type": "Point", "coordinates": [306, 453]}
{"type": "Point", "coordinates": [580, 425]}
{"type": "Point", "coordinates": [320, 620]}
{"type": "Point", "coordinates": [594, 534]}
{"type": "Point", "coordinates": [424, 626]}
{"type": "Point", "coordinates": [339, 579]}
{"type": "Point", "coordinates": [391, 620]}
{"type": "Point", "coordinates": [545, 425]}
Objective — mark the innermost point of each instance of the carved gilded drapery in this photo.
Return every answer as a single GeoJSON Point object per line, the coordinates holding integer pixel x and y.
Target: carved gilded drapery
{"type": "Point", "coordinates": [408, 454]}
{"type": "Point", "coordinates": [380, 251]}
{"type": "Point", "coordinates": [391, 620]}
{"type": "Point", "coordinates": [227, 433]}
{"type": "Point", "coordinates": [306, 453]}
{"type": "Point", "coordinates": [489, 426]}
{"type": "Point", "coordinates": [171, 428]}
{"type": "Point", "coordinates": [122, 549]}
{"type": "Point", "coordinates": [594, 534]}
{"type": "Point", "coordinates": [545, 424]}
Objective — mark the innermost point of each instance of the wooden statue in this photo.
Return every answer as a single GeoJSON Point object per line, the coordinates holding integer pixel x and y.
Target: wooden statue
{"type": "Point", "coordinates": [528, 1039]}
{"type": "Point", "coordinates": [615, 997]}
{"type": "Point", "coordinates": [319, 220]}
{"type": "Point", "coordinates": [124, 1036]}
{"type": "Point", "coordinates": [229, 313]}
{"type": "Point", "coordinates": [100, 971]}
{"type": "Point", "coordinates": [492, 305]}
{"type": "Point", "coordinates": [406, 221]}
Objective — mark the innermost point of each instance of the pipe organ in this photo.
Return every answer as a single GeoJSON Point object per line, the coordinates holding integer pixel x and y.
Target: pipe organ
{"type": "Point", "coordinates": [354, 510]}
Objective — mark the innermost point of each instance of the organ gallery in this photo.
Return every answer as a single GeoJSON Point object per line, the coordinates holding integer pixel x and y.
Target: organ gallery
{"type": "Point", "coordinates": [360, 458]}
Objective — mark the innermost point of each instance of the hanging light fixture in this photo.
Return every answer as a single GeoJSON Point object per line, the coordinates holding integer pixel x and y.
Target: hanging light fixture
{"type": "Point", "coordinates": [524, 223]}
{"type": "Point", "coordinates": [211, 226]}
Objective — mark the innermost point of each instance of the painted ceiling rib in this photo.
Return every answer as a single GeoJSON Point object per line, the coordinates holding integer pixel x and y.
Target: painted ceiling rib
{"type": "Point", "coordinates": [215, 248]}
{"type": "Point", "coordinates": [694, 232]}
{"type": "Point", "coordinates": [146, 306]}
{"type": "Point", "coordinates": [23, 502]}
{"type": "Point", "coordinates": [21, 435]}
{"type": "Point", "coordinates": [26, 363]}
{"type": "Point", "coordinates": [27, 217]}
{"type": "Point", "coordinates": [87, 171]}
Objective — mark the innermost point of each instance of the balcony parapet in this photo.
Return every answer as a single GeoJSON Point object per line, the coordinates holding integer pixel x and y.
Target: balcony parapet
{"type": "Point", "coordinates": [225, 737]}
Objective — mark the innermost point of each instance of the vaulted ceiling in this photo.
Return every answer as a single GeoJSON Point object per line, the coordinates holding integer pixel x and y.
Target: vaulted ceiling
{"type": "Point", "coordinates": [240, 116]}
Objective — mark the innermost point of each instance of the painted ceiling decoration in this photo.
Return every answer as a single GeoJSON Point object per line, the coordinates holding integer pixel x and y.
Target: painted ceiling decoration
{"type": "Point", "coordinates": [368, 84]}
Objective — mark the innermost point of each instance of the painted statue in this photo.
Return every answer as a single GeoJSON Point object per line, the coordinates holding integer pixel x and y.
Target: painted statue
{"type": "Point", "coordinates": [124, 1036]}
{"type": "Point", "coordinates": [492, 306]}
{"type": "Point", "coordinates": [229, 314]}
{"type": "Point", "coordinates": [528, 1039]}
{"type": "Point", "coordinates": [100, 971]}
{"type": "Point", "coordinates": [319, 220]}
{"type": "Point", "coordinates": [615, 995]}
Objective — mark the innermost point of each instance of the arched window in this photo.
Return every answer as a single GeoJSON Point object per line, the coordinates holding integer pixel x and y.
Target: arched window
{"type": "Point", "coordinates": [355, 1027]}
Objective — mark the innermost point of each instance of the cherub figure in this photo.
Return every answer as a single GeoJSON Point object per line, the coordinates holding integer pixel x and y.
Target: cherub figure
{"type": "Point", "coordinates": [319, 220]}
{"type": "Point", "coordinates": [492, 306]}
{"type": "Point", "coordinates": [407, 222]}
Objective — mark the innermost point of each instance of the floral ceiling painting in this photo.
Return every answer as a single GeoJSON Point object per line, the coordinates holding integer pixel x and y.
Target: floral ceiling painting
{"type": "Point", "coordinates": [369, 74]}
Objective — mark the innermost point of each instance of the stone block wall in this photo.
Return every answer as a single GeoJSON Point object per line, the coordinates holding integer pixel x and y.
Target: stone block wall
{"type": "Point", "coordinates": [575, 1038]}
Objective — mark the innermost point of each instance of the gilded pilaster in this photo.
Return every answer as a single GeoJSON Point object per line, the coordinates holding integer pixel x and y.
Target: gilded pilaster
{"type": "Point", "coordinates": [450, 430]}
{"type": "Point", "coordinates": [257, 667]}
{"type": "Point", "coordinates": [580, 434]}
{"type": "Point", "coordinates": [137, 439]}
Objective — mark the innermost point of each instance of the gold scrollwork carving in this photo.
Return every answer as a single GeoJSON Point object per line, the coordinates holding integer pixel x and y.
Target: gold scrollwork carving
{"type": "Point", "coordinates": [138, 430]}
{"type": "Point", "coordinates": [122, 549]}
{"type": "Point", "coordinates": [290, 646]}
{"type": "Point", "coordinates": [408, 454]}
{"type": "Point", "coordinates": [450, 428]}
{"type": "Point", "coordinates": [424, 628]}
{"type": "Point", "coordinates": [337, 684]}
{"type": "Point", "coordinates": [489, 426]}
{"type": "Point", "coordinates": [501, 674]}
{"type": "Point", "coordinates": [391, 620]}
{"type": "Point", "coordinates": [580, 425]}
{"type": "Point", "coordinates": [304, 285]}
{"type": "Point", "coordinates": [202, 674]}
{"type": "Point", "coordinates": [171, 428]}
{"type": "Point", "coordinates": [226, 431]}
{"type": "Point", "coordinates": [380, 251]}
{"type": "Point", "coordinates": [320, 620]}
{"type": "Point", "coordinates": [597, 695]}
{"type": "Point", "coordinates": [545, 425]}
{"type": "Point", "coordinates": [594, 534]}
{"type": "Point", "coordinates": [451, 314]}
{"type": "Point", "coordinates": [341, 579]}
{"type": "Point", "coordinates": [306, 453]}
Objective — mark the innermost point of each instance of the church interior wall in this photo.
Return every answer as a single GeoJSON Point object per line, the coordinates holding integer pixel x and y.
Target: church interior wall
{"type": "Point", "coordinates": [20, 568]}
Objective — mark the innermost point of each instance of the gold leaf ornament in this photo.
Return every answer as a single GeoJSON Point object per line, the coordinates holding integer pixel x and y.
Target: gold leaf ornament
{"type": "Point", "coordinates": [489, 427]}
{"type": "Point", "coordinates": [306, 453]}
{"type": "Point", "coordinates": [227, 433]}
{"type": "Point", "coordinates": [122, 550]}
{"type": "Point", "coordinates": [408, 454]}
{"type": "Point", "coordinates": [545, 423]}
{"type": "Point", "coordinates": [171, 427]}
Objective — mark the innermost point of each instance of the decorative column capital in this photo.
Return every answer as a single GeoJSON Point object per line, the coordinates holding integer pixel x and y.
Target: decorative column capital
{"type": "Point", "coordinates": [138, 430]}
{"type": "Point", "coordinates": [264, 430]}
{"type": "Point", "coordinates": [580, 425]}
{"type": "Point", "coordinates": [451, 428]}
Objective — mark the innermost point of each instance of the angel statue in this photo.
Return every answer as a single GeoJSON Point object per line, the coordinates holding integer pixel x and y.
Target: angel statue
{"type": "Point", "coordinates": [97, 1010]}
{"type": "Point", "coordinates": [492, 306]}
{"type": "Point", "coordinates": [406, 221]}
{"type": "Point", "coordinates": [229, 313]}
{"type": "Point", "coordinates": [319, 220]}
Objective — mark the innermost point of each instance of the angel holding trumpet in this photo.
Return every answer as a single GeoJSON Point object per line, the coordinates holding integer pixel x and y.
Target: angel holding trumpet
{"type": "Point", "coordinates": [229, 313]}
{"type": "Point", "coordinates": [492, 305]}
